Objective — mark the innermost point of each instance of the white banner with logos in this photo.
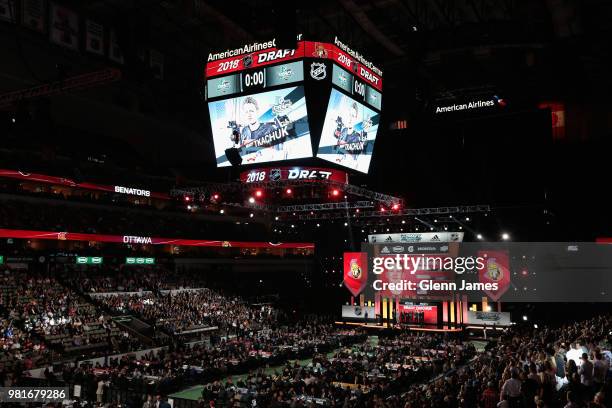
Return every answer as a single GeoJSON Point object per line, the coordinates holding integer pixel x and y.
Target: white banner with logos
{"type": "Point", "coordinates": [358, 312]}
{"type": "Point", "coordinates": [489, 318]}
{"type": "Point", "coordinates": [416, 237]}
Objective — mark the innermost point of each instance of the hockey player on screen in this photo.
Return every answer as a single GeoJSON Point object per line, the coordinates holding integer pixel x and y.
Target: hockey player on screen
{"type": "Point", "coordinates": [255, 135]}
{"type": "Point", "coordinates": [350, 140]}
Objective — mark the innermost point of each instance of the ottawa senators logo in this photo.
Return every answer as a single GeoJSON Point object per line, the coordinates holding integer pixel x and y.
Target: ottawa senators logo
{"type": "Point", "coordinates": [320, 51]}
{"type": "Point", "coordinates": [226, 244]}
{"type": "Point", "coordinates": [355, 269]}
{"type": "Point", "coordinates": [494, 271]}
{"type": "Point", "coordinates": [62, 236]}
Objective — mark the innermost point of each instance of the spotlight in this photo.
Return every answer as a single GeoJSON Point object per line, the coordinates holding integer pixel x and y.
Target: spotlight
{"type": "Point", "coordinates": [251, 215]}
{"type": "Point", "coordinates": [431, 228]}
{"type": "Point", "coordinates": [345, 224]}
{"type": "Point", "coordinates": [187, 198]}
{"type": "Point", "coordinates": [258, 193]}
{"type": "Point", "coordinates": [335, 192]}
{"type": "Point", "coordinates": [357, 210]}
{"type": "Point", "coordinates": [445, 228]}
{"type": "Point", "coordinates": [488, 308]}
{"type": "Point", "coordinates": [403, 221]}
{"type": "Point", "coordinates": [292, 226]}
{"type": "Point", "coordinates": [505, 236]}
{"type": "Point", "coordinates": [382, 209]}
{"type": "Point", "coordinates": [525, 318]}
{"type": "Point", "coordinates": [221, 211]}
{"type": "Point", "coordinates": [215, 196]}
{"type": "Point", "coordinates": [395, 207]}
{"type": "Point", "coordinates": [435, 220]}
{"type": "Point", "coordinates": [467, 218]}
{"type": "Point", "coordinates": [189, 207]}
{"type": "Point", "coordinates": [479, 236]}
{"type": "Point", "coordinates": [276, 218]}
{"type": "Point", "coordinates": [251, 200]}
{"type": "Point", "coordinates": [318, 225]}
{"type": "Point", "coordinates": [288, 191]}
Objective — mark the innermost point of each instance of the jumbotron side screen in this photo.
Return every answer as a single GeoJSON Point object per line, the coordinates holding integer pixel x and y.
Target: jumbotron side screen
{"type": "Point", "coordinates": [265, 127]}
{"type": "Point", "coordinates": [349, 133]}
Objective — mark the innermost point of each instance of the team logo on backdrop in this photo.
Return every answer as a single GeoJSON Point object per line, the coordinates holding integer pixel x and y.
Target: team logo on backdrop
{"type": "Point", "coordinates": [318, 71]}
{"type": "Point", "coordinates": [247, 61]}
{"type": "Point", "coordinates": [454, 237]}
{"type": "Point", "coordinates": [355, 271]}
{"type": "Point", "coordinates": [495, 270]}
{"type": "Point", "coordinates": [275, 174]}
{"type": "Point", "coordinates": [320, 51]}
{"type": "Point", "coordinates": [285, 73]}
{"type": "Point", "coordinates": [223, 86]}
{"type": "Point", "coordinates": [282, 106]}
{"type": "Point", "coordinates": [62, 236]}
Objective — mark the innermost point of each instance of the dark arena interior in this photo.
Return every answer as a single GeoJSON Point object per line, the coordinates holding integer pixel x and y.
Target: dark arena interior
{"type": "Point", "coordinates": [212, 203]}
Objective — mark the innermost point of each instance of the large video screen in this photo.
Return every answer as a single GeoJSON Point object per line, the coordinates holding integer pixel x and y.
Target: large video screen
{"type": "Point", "coordinates": [348, 133]}
{"type": "Point", "coordinates": [264, 127]}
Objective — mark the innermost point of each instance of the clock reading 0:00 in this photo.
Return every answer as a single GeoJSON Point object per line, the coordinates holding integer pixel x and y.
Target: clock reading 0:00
{"type": "Point", "coordinates": [254, 79]}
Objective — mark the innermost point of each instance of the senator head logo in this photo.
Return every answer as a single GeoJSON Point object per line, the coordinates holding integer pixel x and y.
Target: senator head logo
{"type": "Point", "coordinates": [355, 269]}
{"type": "Point", "coordinates": [494, 270]}
{"type": "Point", "coordinates": [320, 51]}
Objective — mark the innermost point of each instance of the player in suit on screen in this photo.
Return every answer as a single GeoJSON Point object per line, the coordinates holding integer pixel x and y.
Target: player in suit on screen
{"type": "Point", "coordinates": [254, 129]}
{"type": "Point", "coordinates": [347, 136]}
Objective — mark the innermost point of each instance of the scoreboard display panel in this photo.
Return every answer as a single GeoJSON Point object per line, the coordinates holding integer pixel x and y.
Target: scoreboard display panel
{"type": "Point", "coordinates": [264, 127]}
{"type": "Point", "coordinates": [349, 133]}
{"type": "Point", "coordinates": [273, 104]}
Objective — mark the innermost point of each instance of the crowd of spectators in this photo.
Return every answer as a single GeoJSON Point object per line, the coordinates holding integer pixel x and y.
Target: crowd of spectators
{"type": "Point", "coordinates": [521, 366]}
{"type": "Point", "coordinates": [41, 312]}
{"type": "Point", "coordinates": [181, 310]}
{"type": "Point", "coordinates": [129, 278]}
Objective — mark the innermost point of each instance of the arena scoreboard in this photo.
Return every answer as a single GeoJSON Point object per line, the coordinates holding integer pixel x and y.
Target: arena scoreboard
{"type": "Point", "coordinates": [321, 99]}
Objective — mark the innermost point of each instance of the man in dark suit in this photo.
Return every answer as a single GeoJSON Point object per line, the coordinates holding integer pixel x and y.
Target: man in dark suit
{"type": "Point", "coordinates": [161, 402]}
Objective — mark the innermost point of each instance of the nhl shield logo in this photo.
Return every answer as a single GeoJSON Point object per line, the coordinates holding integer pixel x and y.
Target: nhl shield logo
{"type": "Point", "coordinates": [318, 71]}
{"type": "Point", "coordinates": [275, 174]}
{"type": "Point", "coordinates": [247, 61]}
